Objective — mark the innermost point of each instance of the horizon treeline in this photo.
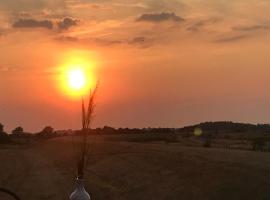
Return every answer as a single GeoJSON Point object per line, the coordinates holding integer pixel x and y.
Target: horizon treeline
{"type": "Point", "coordinates": [219, 126]}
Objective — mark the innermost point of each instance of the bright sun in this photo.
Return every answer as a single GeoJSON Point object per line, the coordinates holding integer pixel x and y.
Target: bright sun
{"type": "Point", "coordinates": [77, 73]}
{"type": "Point", "coordinates": [76, 78]}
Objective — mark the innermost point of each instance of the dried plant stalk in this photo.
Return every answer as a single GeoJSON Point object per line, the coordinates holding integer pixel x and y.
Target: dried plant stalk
{"type": "Point", "coordinates": [84, 146]}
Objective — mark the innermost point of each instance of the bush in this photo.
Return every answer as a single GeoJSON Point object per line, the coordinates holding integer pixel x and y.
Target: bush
{"type": "Point", "coordinates": [3, 136]}
{"type": "Point", "coordinates": [258, 144]}
{"type": "Point", "coordinates": [208, 140]}
{"type": "Point", "coordinates": [207, 143]}
{"type": "Point", "coordinates": [1, 128]}
{"type": "Point", "coordinates": [47, 132]}
{"type": "Point", "coordinates": [18, 130]}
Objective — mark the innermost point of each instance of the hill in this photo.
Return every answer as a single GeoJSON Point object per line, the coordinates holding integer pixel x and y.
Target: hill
{"type": "Point", "coordinates": [228, 126]}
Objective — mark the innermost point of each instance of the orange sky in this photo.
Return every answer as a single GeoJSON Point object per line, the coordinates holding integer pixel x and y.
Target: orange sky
{"type": "Point", "coordinates": [162, 63]}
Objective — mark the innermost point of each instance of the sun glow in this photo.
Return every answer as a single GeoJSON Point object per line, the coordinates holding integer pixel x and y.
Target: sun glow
{"type": "Point", "coordinates": [77, 75]}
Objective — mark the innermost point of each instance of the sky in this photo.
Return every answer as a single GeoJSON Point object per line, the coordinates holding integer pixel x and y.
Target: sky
{"type": "Point", "coordinates": [160, 63]}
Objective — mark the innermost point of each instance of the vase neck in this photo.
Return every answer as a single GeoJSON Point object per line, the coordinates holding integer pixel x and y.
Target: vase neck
{"type": "Point", "coordinates": [80, 183]}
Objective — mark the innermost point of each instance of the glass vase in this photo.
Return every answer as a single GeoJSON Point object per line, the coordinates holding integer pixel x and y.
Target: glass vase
{"type": "Point", "coordinates": [79, 192]}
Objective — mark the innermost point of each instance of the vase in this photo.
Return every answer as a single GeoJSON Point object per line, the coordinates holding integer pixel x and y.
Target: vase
{"type": "Point", "coordinates": [79, 192]}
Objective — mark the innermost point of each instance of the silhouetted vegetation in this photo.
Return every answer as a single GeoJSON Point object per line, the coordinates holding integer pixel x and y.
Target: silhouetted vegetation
{"type": "Point", "coordinates": [47, 132]}
{"type": "Point", "coordinates": [258, 144]}
{"type": "Point", "coordinates": [1, 128]}
{"type": "Point", "coordinates": [3, 136]}
{"type": "Point", "coordinates": [18, 130]}
{"type": "Point", "coordinates": [227, 135]}
{"type": "Point", "coordinates": [228, 126]}
{"type": "Point", "coordinates": [208, 140]}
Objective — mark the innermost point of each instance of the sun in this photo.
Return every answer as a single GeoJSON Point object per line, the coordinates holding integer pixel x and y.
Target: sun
{"type": "Point", "coordinates": [77, 73]}
{"type": "Point", "coordinates": [76, 78]}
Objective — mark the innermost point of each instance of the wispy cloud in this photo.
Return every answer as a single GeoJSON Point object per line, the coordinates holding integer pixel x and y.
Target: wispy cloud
{"type": "Point", "coordinates": [159, 17]}
{"type": "Point", "coordinates": [234, 38]}
{"type": "Point", "coordinates": [199, 24]}
{"type": "Point", "coordinates": [139, 41]}
{"type": "Point", "coordinates": [251, 28]}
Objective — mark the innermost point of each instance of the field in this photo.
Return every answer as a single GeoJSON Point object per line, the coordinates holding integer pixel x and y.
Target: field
{"type": "Point", "coordinates": [120, 169]}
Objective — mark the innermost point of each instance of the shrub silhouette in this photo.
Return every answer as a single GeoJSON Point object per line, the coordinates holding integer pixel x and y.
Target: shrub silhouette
{"type": "Point", "coordinates": [258, 144]}
{"type": "Point", "coordinates": [18, 130]}
{"type": "Point", "coordinates": [47, 132]}
{"type": "Point", "coordinates": [3, 136]}
{"type": "Point", "coordinates": [208, 140]}
{"type": "Point", "coordinates": [1, 128]}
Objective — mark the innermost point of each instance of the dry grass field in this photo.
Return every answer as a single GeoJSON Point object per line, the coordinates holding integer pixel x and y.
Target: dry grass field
{"type": "Point", "coordinates": [121, 170]}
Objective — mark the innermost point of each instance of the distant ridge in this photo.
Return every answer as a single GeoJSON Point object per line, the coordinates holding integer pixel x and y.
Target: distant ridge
{"type": "Point", "coordinates": [227, 126]}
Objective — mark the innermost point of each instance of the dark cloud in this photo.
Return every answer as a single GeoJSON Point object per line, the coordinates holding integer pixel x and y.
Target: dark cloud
{"type": "Point", "coordinates": [32, 23]}
{"type": "Point", "coordinates": [159, 17]}
{"type": "Point", "coordinates": [251, 28]}
{"type": "Point", "coordinates": [67, 22]}
{"type": "Point", "coordinates": [231, 38]}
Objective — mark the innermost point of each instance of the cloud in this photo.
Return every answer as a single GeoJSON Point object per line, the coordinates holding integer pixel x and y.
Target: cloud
{"type": "Point", "coordinates": [67, 22]}
{"type": "Point", "coordinates": [66, 39]}
{"type": "Point", "coordinates": [33, 6]}
{"type": "Point", "coordinates": [159, 17]}
{"type": "Point", "coordinates": [231, 38]}
{"type": "Point", "coordinates": [140, 41]}
{"type": "Point", "coordinates": [88, 41]}
{"type": "Point", "coordinates": [161, 5]}
{"type": "Point", "coordinates": [32, 23]}
{"type": "Point", "coordinates": [251, 28]}
{"type": "Point", "coordinates": [24, 14]}
{"type": "Point", "coordinates": [197, 26]}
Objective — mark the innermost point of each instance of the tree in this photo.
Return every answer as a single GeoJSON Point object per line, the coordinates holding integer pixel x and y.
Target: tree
{"type": "Point", "coordinates": [1, 128]}
{"type": "Point", "coordinates": [18, 130]}
{"type": "Point", "coordinates": [3, 136]}
{"type": "Point", "coordinates": [46, 132]}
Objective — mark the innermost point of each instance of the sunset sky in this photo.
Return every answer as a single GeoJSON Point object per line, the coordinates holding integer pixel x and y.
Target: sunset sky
{"type": "Point", "coordinates": [160, 63]}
